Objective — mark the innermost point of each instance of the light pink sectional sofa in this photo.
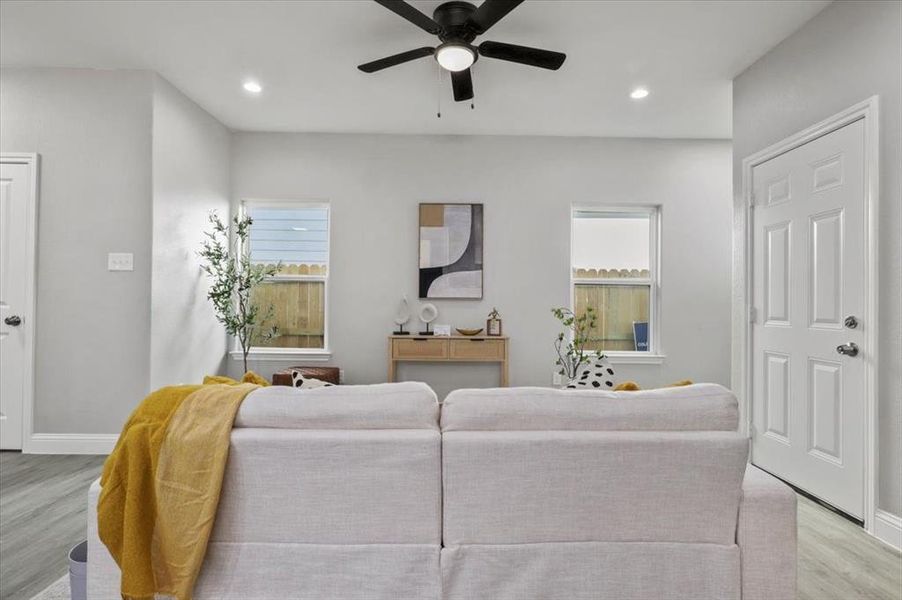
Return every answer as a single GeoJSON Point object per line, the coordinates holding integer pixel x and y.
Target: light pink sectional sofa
{"type": "Point", "coordinates": [372, 492]}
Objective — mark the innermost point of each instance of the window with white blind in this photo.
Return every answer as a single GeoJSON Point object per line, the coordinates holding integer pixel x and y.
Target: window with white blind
{"type": "Point", "coordinates": [614, 269]}
{"type": "Point", "coordinates": [295, 236]}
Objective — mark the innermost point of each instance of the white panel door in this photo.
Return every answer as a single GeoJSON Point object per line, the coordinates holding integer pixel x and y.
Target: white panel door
{"type": "Point", "coordinates": [809, 265]}
{"type": "Point", "coordinates": [15, 195]}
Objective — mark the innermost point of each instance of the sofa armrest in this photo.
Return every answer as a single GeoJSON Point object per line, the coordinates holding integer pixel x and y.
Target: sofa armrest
{"type": "Point", "coordinates": [766, 535]}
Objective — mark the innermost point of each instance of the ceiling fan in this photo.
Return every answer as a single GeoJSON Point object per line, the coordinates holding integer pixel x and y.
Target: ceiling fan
{"type": "Point", "coordinates": [457, 24]}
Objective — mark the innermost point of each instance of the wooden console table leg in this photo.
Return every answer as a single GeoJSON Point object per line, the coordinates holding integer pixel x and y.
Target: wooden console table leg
{"type": "Point", "coordinates": [504, 373]}
{"type": "Point", "coordinates": [391, 362]}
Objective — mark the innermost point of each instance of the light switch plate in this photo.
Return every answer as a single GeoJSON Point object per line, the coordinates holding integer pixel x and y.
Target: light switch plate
{"type": "Point", "coordinates": [120, 261]}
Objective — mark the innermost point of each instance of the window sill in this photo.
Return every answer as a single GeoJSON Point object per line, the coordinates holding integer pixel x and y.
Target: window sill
{"type": "Point", "coordinates": [283, 354]}
{"type": "Point", "coordinates": [635, 358]}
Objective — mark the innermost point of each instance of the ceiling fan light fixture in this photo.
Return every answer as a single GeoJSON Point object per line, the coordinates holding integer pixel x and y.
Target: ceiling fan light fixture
{"type": "Point", "coordinates": [455, 57]}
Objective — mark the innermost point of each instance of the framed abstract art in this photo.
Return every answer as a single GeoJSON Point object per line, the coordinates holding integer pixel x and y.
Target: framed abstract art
{"type": "Point", "coordinates": [450, 251]}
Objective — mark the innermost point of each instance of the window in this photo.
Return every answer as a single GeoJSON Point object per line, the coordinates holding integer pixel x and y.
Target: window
{"type": "Point", "coordinates": [295, 235]}
{"type": "Point", "coordinates": [614, 270]}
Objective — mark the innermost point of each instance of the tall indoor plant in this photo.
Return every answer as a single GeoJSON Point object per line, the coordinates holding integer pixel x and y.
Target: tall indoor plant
{"type": "Point", "coordinates": [571, 344]}
{"type": "Point", "coordinates": [233, 278]}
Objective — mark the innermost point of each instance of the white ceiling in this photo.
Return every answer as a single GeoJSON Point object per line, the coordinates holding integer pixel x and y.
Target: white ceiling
{"type": "Point", "coordinates": [305, 54]}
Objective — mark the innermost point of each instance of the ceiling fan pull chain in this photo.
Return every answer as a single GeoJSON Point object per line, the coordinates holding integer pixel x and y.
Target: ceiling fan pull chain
{"type": "Point", "coordinates": [438, 91]}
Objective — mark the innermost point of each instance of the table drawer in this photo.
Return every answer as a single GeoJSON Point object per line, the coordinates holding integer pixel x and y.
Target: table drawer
{"type": "Point", "coordinates": [478, 349]}
{"type": "Point", "coordinates": [420, 348]}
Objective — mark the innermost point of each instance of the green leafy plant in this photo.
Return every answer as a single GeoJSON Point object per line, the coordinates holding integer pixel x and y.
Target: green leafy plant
{"type": "Point", "coordinates": [233, 279]}
{"type": "Point", "coordinates": [571, 344]}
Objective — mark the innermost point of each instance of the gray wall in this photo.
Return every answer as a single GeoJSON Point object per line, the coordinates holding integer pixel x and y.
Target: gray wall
{"type": "Point", "coordinates": [845, 54]}
{"type": "Point", "coordinates": [527, 184]}
{"type": "Point", "coordinates": [93, 131]}
{"type": "Point", "coordinates": [190, 178]}
{"type": "Point", "coordinates": [128, 164]}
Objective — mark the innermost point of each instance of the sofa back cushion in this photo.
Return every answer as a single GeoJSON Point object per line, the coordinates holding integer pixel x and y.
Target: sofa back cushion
{"type": "Point", "coordinates": [700, 407]}
{"type": "Point", "coordinates": [407, 405]}
{"type": "Point", "coordinates": [520, 487]}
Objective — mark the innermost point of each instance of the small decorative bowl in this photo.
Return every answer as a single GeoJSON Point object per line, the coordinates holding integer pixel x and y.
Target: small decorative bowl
{"type": "Point", "coordinates": [469, 331]}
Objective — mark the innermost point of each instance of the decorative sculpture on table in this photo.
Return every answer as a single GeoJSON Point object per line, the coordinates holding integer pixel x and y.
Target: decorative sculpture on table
{"type": "Point", "coordinates": [493, 323]}
{"type": "Point", "coordinates": [402, 316]}
{"type": "Point", "coordinates": [428, 314]}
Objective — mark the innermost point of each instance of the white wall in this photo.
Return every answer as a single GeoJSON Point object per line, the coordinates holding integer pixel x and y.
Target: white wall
{"type": "Point", "coordinates": [845, 54]}
{"type": "Point", "coordinates": [527, 184]}
{"type": "Point", "coordinates": [190, 178]}
{"type": "Point", "coordinates": [93, 132]}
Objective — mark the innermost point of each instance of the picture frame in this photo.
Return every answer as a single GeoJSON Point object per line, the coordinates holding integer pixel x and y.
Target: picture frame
{"type": "Point", "coordinates": [450, 252]}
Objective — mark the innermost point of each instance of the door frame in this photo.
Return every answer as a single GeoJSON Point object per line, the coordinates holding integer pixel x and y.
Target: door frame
{"type": "Point", "coordinates": [868, 110]}
{"type": "Point", "coordinates": [33, 160]}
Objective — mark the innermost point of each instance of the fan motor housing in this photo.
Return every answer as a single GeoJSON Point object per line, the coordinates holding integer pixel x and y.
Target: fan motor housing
{"type": "Point", "coordinates": [452, 16]}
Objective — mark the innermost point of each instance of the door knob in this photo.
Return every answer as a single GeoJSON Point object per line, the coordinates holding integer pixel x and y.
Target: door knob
{"type": "Point", "coordinates": [13, 321]}
{"type": "Point", "coordinates": [850, 349]}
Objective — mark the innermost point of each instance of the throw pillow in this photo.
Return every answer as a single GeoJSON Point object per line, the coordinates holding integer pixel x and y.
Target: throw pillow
{"type": "Point", "coordinates": [632, 386]}
{"type": "Point", "coordinates": [598, 375]}
{"type": "Point", "coordinates": [299, 380]}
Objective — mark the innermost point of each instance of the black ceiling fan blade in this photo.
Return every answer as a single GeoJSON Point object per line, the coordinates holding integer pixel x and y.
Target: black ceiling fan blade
{"type": "Point", "coordinates": [396, 59]}
{"type": "Point", "coordinates": [490, 12]}
{"type": "Point", "coordinates": [462, 84]}
{"type": "Point", "coordinates": [403, 9]}
{"type": "Point", "coordinates": [534, 57]}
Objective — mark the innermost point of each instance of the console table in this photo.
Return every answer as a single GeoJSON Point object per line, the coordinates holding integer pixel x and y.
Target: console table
{"type": "Point", "coordinates": [448, 349]}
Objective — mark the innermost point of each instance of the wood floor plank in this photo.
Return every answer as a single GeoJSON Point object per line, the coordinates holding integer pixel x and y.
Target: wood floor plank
{"type": "Point", "coordinates": [43, 506]}
{"type": "Point", "coordinates": [838, 560]}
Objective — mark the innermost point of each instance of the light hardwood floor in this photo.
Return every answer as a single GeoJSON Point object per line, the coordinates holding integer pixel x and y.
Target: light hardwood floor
{"type": "Point", "coordinates": [838, 560]}
{"type": "Point", "coordinates": [43, 500]}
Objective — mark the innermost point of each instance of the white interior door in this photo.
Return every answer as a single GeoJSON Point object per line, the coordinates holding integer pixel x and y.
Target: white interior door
{"type": "Point", "coordinates": [15, 233]}
{"type": "Point", "coordinates": [809, 266]}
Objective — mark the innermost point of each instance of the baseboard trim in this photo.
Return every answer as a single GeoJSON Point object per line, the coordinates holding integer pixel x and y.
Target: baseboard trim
{"type": "Point", "coordinates": [888, 528]}
{"type": "Point", "coordinates": [71, 443]}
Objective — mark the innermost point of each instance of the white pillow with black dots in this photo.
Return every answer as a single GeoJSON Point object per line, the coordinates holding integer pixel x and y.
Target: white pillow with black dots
{"type": "Point", "coordinates": [599, 375]}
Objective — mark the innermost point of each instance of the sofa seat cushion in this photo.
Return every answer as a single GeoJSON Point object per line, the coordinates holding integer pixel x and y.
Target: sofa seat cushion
{"type": "Point", "coordinates": [699, 407]}
{"type": "Point", "coordinates": [591, 571]}
{"type": "Point", "coordinates": [407, 405]}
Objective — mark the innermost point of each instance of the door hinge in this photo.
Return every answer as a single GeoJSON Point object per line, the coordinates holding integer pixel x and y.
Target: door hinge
{"type": "Point", "coordinates": [753, 314]}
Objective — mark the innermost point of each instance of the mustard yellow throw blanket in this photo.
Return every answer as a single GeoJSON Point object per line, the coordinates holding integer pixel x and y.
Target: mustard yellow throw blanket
{"type": "Point", "coordinates": [161, 485]}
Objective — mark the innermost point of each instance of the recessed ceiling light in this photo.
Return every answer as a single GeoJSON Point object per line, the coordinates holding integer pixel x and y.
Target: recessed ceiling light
{"type": "Point", "coordinates": [252, 87]}
{"type": "Point", "coordinates": [639, 93]}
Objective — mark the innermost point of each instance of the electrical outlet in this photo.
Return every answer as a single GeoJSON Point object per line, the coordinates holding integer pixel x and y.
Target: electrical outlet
{"type": "Point", "coordinates": [341, 376]}
{"type": "Point", "coordinates": [556, 379]}
{"type": "Point", "coordinates": [120, 261]}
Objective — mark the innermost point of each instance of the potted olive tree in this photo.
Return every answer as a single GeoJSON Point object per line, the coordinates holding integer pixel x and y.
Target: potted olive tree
{"type": "Point", "coordinates": [233, 278]}
{"type": "Point", "coordinates": [571, 344]}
